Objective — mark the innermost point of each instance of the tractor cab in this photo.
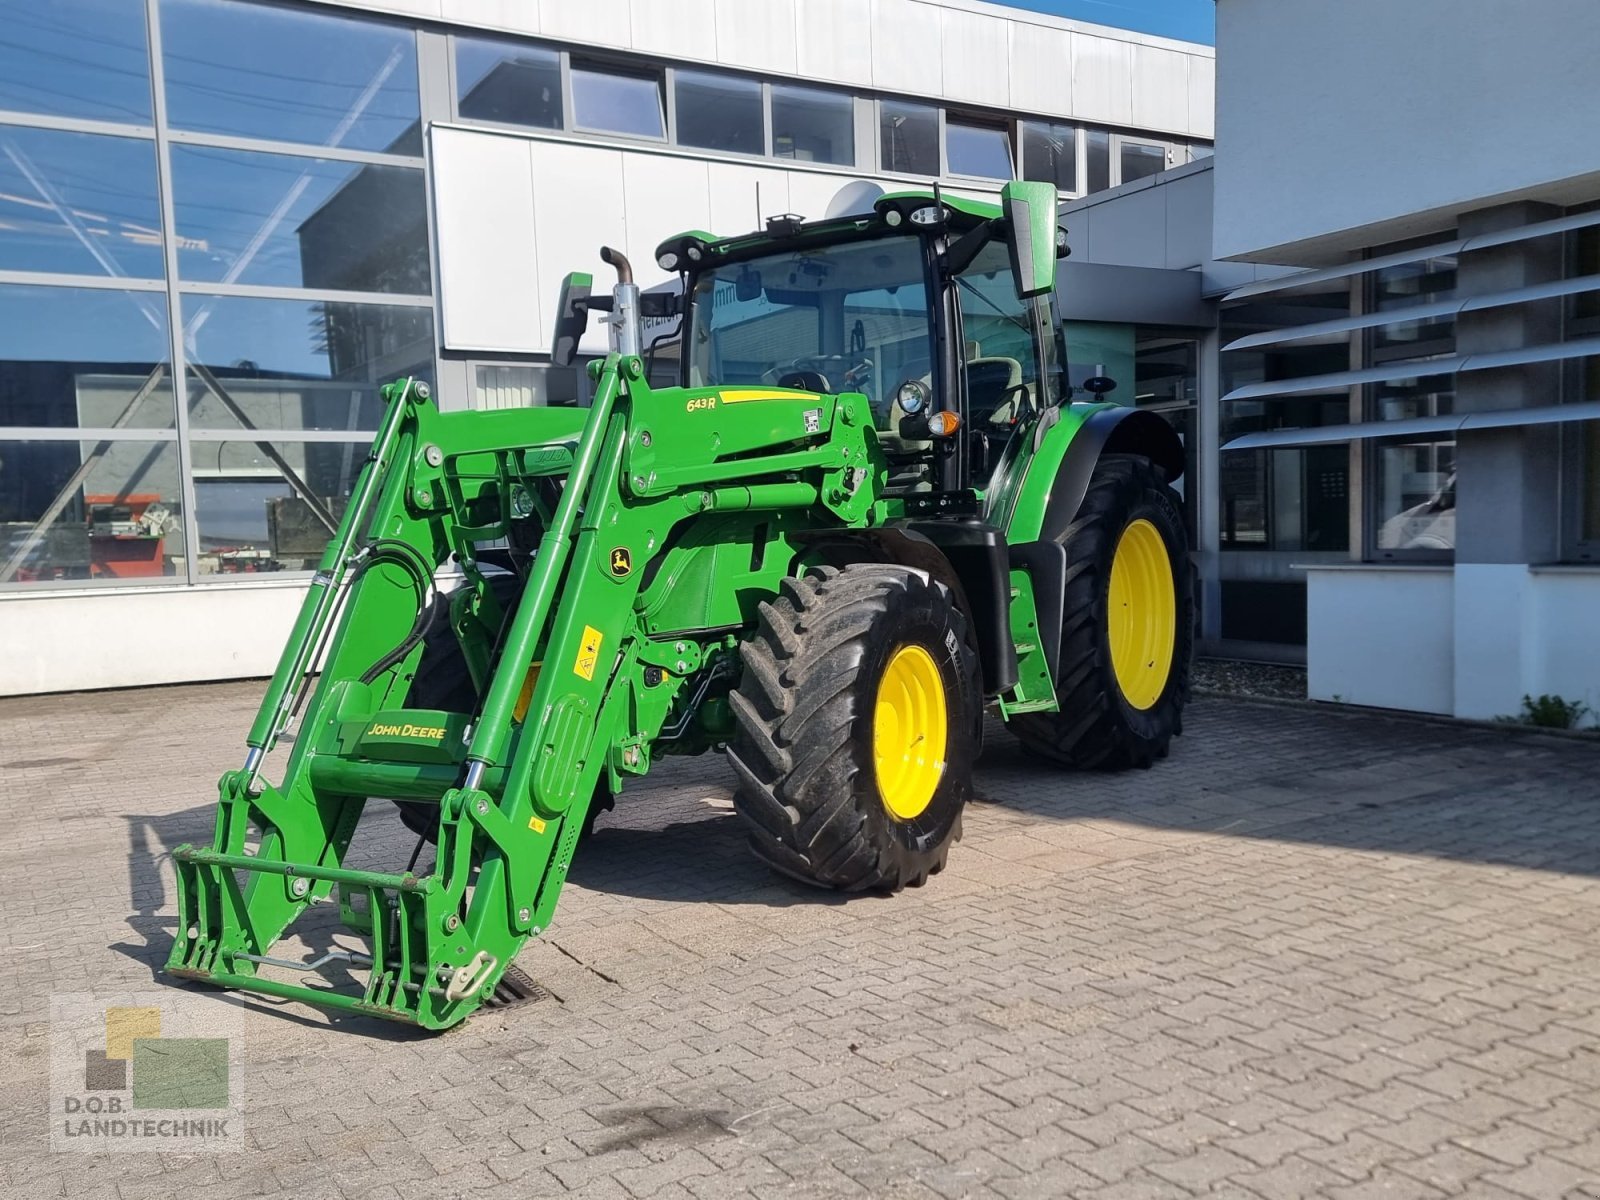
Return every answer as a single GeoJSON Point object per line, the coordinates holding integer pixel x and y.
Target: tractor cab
{"type": "Point", "coordinates": [934, 308]}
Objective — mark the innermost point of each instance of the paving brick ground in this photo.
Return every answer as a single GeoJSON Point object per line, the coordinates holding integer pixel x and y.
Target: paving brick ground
{"type": "Point", "coordinates": [1313, 954]}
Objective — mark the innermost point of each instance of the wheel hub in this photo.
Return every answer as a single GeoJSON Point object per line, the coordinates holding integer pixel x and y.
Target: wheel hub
{"type": "Point", "coordinates": [1141, 614]}
{"type": "Point", "coordinates": [910, 728]}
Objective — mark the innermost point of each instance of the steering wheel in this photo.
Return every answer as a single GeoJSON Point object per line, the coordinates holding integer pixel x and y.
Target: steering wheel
{"type": "Point", "coordinates": [853, 377]}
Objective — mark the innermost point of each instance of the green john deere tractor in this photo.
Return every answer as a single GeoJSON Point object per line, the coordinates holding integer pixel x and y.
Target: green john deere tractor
{"type": "Point", "coordinates": [867, 512]}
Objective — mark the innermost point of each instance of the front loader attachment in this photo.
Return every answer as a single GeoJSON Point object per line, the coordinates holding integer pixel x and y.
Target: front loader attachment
{"type": "Point", "coordinates": [435, 489]}
{"type": "Point", "coordinates": [575, 669]}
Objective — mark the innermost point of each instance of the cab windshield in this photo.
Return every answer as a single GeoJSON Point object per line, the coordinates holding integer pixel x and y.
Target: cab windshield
{"type": "Point", "coordinates": [846, 318]}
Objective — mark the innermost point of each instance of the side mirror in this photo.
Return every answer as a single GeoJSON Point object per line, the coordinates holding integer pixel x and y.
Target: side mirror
{"type": "Point", "coordinates": [747, 285]}
{"type": "Point", "coordinates": [572, 317]}
{"type": "Point", "coordinates": [1030, 209]}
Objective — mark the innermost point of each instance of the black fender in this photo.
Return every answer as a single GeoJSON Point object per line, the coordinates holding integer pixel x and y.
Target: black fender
{"type": "Point", "coordinates": [969, 557]}
{"type": "Point", "coordinates": [1109, 431]}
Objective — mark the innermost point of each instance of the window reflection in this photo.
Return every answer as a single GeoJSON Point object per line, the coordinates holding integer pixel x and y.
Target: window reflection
{"type": "Point", "coordinates": [1140, 160]}
{"type": "Point", "coordinates": [86, 357]}
{"type": "Point", "coordinates": [291, 75]}
{"type": "Point", "coordinates": [1097, 144]}
{"type": "Point", "coordinates": [812, 125]}
{"type": "Point", "coordinates": [79, 204]}
{"type": "Point", "coordinates": [291, 364]}
{"type": "Point", "coordinates": [973, 148]}
{"type": "Point", "coordinates": [719, 112]}
{"type": "Point", "coordinates": [264, 506]}
{"type": "Point", "coordinates": [289, 221]}
{"type": "Point", "coordinates": [88, 512]}
{"type": "Point", "coordinates": [616, 101]}
{"type": "Point", "coordinates": [503, 81]}
{"type": "Point", "coordinates": [1050, 154]}
{"type": "Point", "coordinates": [908, 137]}
{"type": "Point", "coordinates": [76, 58]}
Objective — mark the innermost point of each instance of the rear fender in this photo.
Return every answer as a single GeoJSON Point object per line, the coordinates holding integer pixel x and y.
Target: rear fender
{"type": "Point", "coordinates": [1063, 456]}
{"type": "Point", "coordinates": [1055, 480]}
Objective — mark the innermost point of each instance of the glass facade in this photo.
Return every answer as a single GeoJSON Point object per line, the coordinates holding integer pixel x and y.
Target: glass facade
{"type": "Point", "coordinates": [1295, 498]}
{"type": "Point", "coordinates": [189, 393]}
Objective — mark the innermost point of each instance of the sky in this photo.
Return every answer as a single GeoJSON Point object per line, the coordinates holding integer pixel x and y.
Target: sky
{"type": "Point", "coordinates": [1189, 20]}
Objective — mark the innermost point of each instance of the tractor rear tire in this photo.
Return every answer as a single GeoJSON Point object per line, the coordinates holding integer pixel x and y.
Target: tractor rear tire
{"type": "Point", "coordinates": [855, 728]}
{"type": "Point", "coordinates": [1128, 633]}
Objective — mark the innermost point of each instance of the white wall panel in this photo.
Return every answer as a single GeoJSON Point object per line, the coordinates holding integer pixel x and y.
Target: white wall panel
{"type": "Point", "coordinates": [1102, 73]}
{"type": "Point", "coordinates": [183, 634]}
{"type": "Point", "coordinates": [734, 209]}
{"type": "Point", "coordinates": [513, 16]}
{"type": "Point", "coordinates": [833, 40]}
{"type": "Point", "coordinates": [483, 195]}
{"type": "Point", "coordinates": [1202, 97]}
{"type": "Point", "coordinates": [684, 29]}
{"type": "Point", "coordinates": [607, 22]}
{"type": "Point", "coordinates": [1041, 69]}
{"type": "Point", "coordinates": [1565, 619]}
{"type": "Point", "coordinates": [907, 48]}
{"type": "Point", "coordinates": [976, 54]}
{"type": "Point", "coordinates": [663, 196]}
{"type": "Point", "coordinates": [1381, 637]}
{"type": "Point", "coordinates": [580, 208]}
{"type": "Point", "coordinates": [756, 36]}
{"type": "Point", "coordinates": [1160, 85]}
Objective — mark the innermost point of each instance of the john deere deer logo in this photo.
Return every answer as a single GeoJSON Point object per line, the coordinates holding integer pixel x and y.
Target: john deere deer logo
{"type": "Point", "coordinates": [621, 562]}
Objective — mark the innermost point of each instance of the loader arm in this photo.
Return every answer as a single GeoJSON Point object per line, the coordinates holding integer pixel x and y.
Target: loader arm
{"type": "Point", "coordinates": [577, 686]}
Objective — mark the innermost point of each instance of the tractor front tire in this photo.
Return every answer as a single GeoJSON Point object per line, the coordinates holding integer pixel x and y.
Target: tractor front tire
{"type": "Point", "coordinates": [855, 716]}
{"type": "Point", "coordinates": [1128, 632]}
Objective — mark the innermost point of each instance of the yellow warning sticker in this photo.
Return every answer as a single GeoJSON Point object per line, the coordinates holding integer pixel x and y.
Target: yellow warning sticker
{"type": "Point", "coordinates": [535, 824]}
{"type": "Point", "coordinates": [588, 653]}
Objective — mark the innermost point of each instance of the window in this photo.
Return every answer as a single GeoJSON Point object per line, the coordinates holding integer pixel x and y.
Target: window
{"type": "Point", "coordinates": [1411, 496]}
{"type": "Point", "coordinates": [350, 227]}
{"type": "Point", "coordinates": [1291, 498]}
{"type": "Point", "coordinates": [1140, 160]}
{"type": "Point", "coordinates": [857, 315]}
{"type": "Point", "coordinates": [719, 112]}
{"type": "Point", "coordinates": [509, 83]}
{"type": "Point", "coordinates": [611, 100]}
{"type": "Point", "coordinates": [1098, 145]}
{"type": "Point", "coordinates": [1050, 154]}
{"type": "Point", "coordinates": [84, 358]}
{"type": "Point", "coordinates": [908, 136]}
{"type": "Point", "coordinates": [281, 395]}
{"type": "Point", "coordinates": [1003, 362]}
{"type": "Point", "coordinates": [49, 63]}
{"type": "Point", "coordinates": [300, 364]}
{"type": "Point", "coordinates": [975, 148]}
{"type": "Point", "coordinates": [78, 203]}
{"type": "Point", "coordinates": [291, 75]}
{"type": "Point", "coordinates": [812, 125]}
{"type": "Point", "coordinates": [89, 512]}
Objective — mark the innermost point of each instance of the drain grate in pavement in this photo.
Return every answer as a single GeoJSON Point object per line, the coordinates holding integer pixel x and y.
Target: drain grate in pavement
{"type": "Point", "coordinates": [516, 988]}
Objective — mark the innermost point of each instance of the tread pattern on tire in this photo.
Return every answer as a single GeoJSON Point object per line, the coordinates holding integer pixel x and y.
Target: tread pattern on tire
{"type": "Point", "coordinates": [795, 751]}
{"type": "Point", "coordinates": [1094, 727]}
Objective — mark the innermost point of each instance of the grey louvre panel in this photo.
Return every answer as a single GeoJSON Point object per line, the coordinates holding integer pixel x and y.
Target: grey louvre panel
{"type": "Point", "coordinates": [1452, 424]}
{"type": "Point", "coordinates": [1418, 312]}
{"type": "Point", "coordinates": [1417, 368]}
{"type": "Point", "coordinates": [1500, 237]}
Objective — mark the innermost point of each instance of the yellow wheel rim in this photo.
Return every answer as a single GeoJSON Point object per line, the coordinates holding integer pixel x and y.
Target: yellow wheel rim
{"type": "Point", "coordinates": [910, 727]}
{"type": "Point", "coordinates": [1142, 614]}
